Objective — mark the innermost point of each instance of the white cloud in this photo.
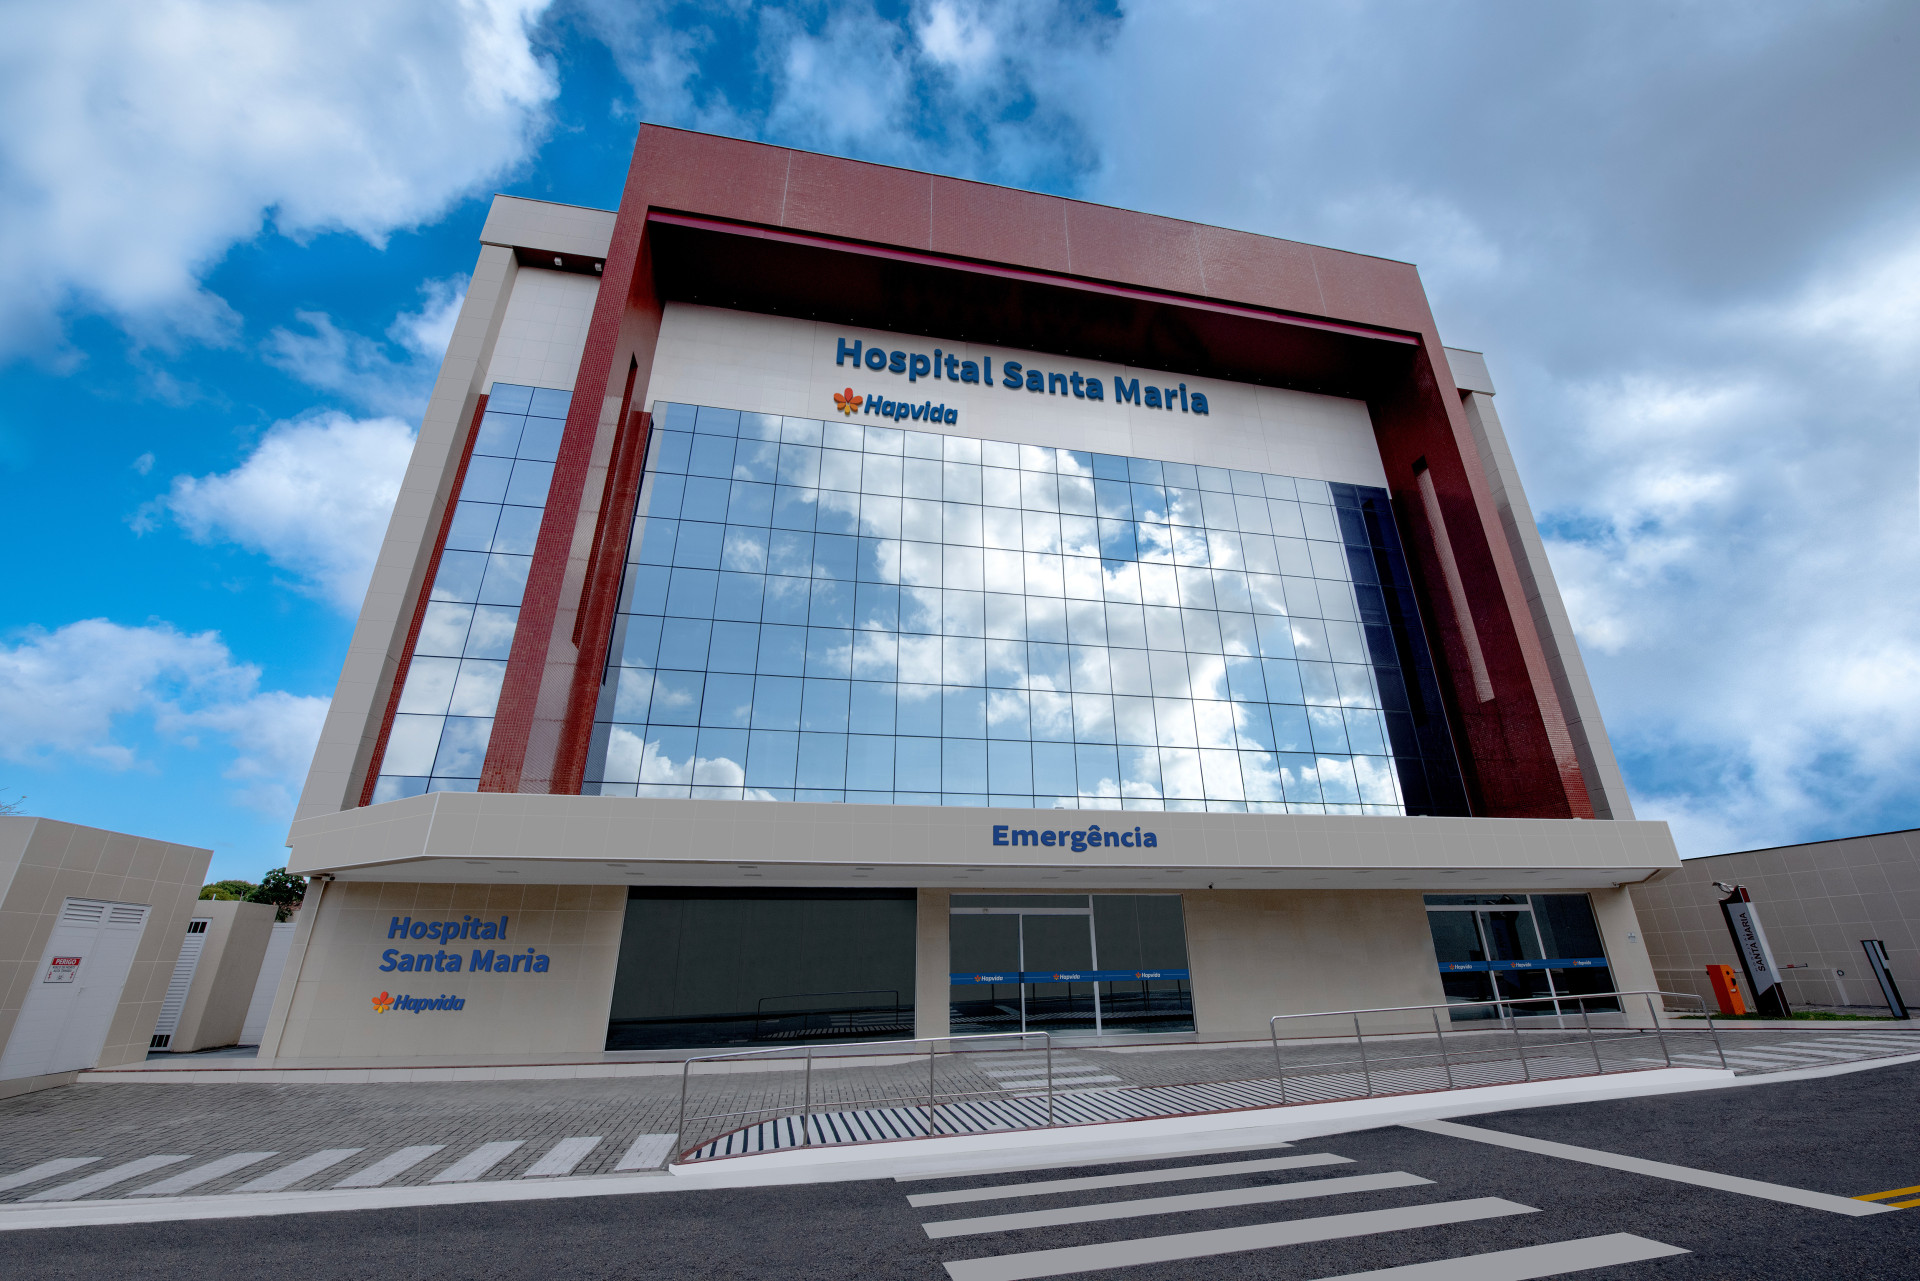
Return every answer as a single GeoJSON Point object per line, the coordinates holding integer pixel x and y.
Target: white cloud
{"type": "Point", "coordinates": [76, 691]}
{"type": "Point", "coordinates": [314, 497]}
{"type": "Point", "coordinates": [359, 368]}
{"type": "Point", "coordinates": [956, 36]}
{"type": "Point", "coordinates": [145, 139]}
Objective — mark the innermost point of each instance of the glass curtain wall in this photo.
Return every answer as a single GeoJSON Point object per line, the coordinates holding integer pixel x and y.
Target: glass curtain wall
{"type": "Point", "coordinates": [445, 716]}
{"type": "Point", "coordinates": [837, 611]}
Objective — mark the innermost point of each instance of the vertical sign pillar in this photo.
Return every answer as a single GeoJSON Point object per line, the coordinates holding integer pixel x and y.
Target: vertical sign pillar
{"type": "Point", "coordinates": [1756, 958]}
{"type": "Point", "coordinates": [1877, 959]}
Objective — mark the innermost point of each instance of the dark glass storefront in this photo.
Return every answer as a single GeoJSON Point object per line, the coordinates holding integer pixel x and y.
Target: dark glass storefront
{"type": "Point", "coordinates": [712, 967]}
{"type": "Point", "coordinates": [1512, 947]}
{"type": "Point", "coordinates": [1069, 964]}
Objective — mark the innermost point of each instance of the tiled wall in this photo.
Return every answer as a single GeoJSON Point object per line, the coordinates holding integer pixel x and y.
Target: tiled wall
{"type": "Point", "coordinates": [544, 329]}
{"type": "Point", "coordinates": [1816, 903]}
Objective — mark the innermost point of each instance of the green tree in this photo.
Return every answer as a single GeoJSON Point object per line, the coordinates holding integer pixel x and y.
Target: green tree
{"type": "Point", "coordinates": [228, 891]}
{"type": "Point", "coordinates": [282, 889]}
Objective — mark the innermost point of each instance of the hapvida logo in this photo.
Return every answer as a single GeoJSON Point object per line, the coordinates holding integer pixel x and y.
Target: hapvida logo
{"type": "Point", "coordinates": [417, 1004]}
{"type": "Point", "coordinates": [846, 401]}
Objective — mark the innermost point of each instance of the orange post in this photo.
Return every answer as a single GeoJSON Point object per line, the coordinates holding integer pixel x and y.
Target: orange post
{"type": "Point", "coordinates": [1726, 989]}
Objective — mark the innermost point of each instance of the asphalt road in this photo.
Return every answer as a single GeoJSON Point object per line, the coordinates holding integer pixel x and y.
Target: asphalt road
{"type": "Point", "coordinates": [1845, 1135]}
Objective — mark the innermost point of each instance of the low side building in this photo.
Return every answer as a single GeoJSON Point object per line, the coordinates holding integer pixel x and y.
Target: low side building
{"type": "Point", "coordinates": [215, 977]}
{"type": "Point", "coordinates": [1817, 902]}
{"type": "Point", "coordinates": [90, 923]}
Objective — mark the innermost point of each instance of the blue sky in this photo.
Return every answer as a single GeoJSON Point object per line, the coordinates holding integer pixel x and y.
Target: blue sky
{"type": "Point", "coordinates": [1685, 235]}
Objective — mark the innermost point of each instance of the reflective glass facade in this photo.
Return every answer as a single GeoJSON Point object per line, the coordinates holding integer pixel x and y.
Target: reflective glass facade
{"type": "Point", "coordinates": [440, 731]}
{"type": "Point", "coordinates": [838, 611]}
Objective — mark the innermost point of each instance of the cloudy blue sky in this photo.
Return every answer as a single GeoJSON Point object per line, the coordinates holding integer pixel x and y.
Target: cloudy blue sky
{"type": "Point", "coordinates": [1685, 234]}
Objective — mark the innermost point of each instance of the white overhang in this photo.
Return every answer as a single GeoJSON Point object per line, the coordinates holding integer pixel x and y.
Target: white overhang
{"type": "Point", "coordinates": [453, 837]}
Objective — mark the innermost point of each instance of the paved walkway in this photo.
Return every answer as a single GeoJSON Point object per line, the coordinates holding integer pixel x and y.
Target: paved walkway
{"type": "Point", "coordinates": [113, 1140]}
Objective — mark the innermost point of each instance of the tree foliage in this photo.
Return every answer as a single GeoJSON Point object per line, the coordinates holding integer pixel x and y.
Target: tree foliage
{"type": "Point", "coordinates": [228, 891]}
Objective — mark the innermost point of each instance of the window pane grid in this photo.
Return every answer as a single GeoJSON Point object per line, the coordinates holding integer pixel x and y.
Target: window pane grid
{"type": "Point", "coordinates": [445, 713]}
{"type": "Point", "coordinates": [826, 611]}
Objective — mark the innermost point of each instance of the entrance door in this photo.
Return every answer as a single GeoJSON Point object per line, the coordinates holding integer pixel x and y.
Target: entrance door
{"type": "Point", "coordinates": [1032, 961]}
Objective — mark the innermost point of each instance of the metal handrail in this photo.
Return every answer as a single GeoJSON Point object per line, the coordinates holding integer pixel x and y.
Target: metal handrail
{"type": "Point", "coordinates": [860, 1049]}
{"type": "Point", "coordinates": [1503, 1007]}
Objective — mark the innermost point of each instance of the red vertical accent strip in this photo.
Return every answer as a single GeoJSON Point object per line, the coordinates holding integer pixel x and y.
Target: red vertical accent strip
{"type": "Point", "coordinates": [420, 607]}
{"type": "Point", "coordinates": [621, 431]}
{"type": "Point", "coordinates": [600, 599]}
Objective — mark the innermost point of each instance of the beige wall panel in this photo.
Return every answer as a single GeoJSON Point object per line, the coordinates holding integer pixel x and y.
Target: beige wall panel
{"type": "Point", "coordinates": [544, 329]}
{"type": "Point", "coordinates": [237, 935]}
{"type": "Point", "coordinates": [933, 965]}
{"type": "Point", "coordinates": [331, 1014]}
{"type": "Point", "coordinates": [50, 862]}
{"type": "Point", "coordinates": [780, 365]}
{"type": "Point", "coordinates": [1261, 953]}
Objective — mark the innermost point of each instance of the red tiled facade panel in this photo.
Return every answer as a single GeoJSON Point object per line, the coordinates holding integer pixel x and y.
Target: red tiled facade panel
{"type": "Point", "coordinates": [1515, 748]}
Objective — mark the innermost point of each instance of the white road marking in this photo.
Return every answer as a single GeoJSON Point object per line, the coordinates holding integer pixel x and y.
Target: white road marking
{"type": "Point", "coordinates": [1176, 1174]}
{"type": "Point", "coordinates": [1082, 1162]}
{"type": "Point", "coordinates": [477, 1162]}
{"type": "Point", "coordinates": [1528, 1262]}
{"type": "Point", "coordinates": [1105, 1210]}
{"type": "Point", "coordinates": [1656, 1169]}
{"type": "Point", "coordinates": [648, 1152]}
{"type": "Point", "coordinates": [45, 1170]}
{"type": "Point", "coordinates": [1059, 1082]}
{"type": "Point", "coordinates": [294, 1171]}
{"type": "Point", "coordinates": [562, 1157]}
{"type": "Point", "coordinates": [390, 1166]}
{"type": "Point", "coordinates": [104, 1179]}
{"type": "Point", "coordinates": [1199, 1245]}
{"type": "Point", "coordinates": [202, 1174]}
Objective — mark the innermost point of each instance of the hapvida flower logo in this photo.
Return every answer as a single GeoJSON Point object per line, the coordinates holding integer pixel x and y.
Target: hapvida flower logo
{"type": "Point", "coordinates": [382, 1003]}
{"type": "Point", "coordinates": [845, 401]}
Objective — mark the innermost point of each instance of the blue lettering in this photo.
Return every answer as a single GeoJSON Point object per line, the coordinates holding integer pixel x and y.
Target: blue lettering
{"type": "Point", "coordinates": [1199, 402]}
{"type": "Point", "coordinates": [1111, 838]}
{"type": "Point", "coordinates": [1150, 842]}
{"type": "Point", "coordinates": [1183, 398]}
{"type": "Point", "coordinates": [876, 359]}
{"type": "Point", "coordinates": [953, 367]}
{"type": "Point", "coordinates": [423, 961]}
{"type": "Point", "coordinates": [897, 362]}
{"type": "Point", "coordinates": [486, 931]}
{"type": "Point", "coordinates": [406, 961]}
{"type": "Point", "coordinates": [1036, 381]}
{"type": "Point", "coordinates": [540, 964]}
{"type": "Point", "coordinates": [481, 960]}
{"type": "Point", "coordinates": [1079, 842]}
{"type": "Point", "coordinates": [953, 415]}
{"type": "Point", "coordinates": [399, 927]}
{"type": "Point", "coordinates": [515, 967]}
{"type": "Point", "coordinates": [453, 962]}
{"type": "Point", "coordinates": [936, 364]}
{"type": "Point", "coordinates": [1124, 392]}
{"type": "Point", "coordinates": [969, 372]}
{"type": "Point", "coordinates": [417, 930]}
{"type": "Point", "coordinates": [920, 411]}
{"type": "Point", "coordinates": [845, 351]}
{"type": "Point", "coordinates": [1013, 378]}
{"type": "Point", "coordinates": [1096, 390]}
{"type": "Point", "coordinates": [1046, 838]}
{"type": "Point", "coordinates": [1026, 837]}
{"type": "Point", "coordinates": [917, 367]}
{"type": "Point", "coordinates": [1079, 385]}
{"type": "Point", "coordinates": [1056, 384]}
{"type": "Point", "coordinates": [1153, 398]}
{"type": "Point", "coordinates": [1000, 834]}
{"type": "Point", "coordinates": [1126, 838]}
{"type": "Point", "coordinates": [387, 959]}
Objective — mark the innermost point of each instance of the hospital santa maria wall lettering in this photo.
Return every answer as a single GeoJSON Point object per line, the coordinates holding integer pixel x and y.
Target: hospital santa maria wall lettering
{"type": "Point", "coordinates": [822, 630]}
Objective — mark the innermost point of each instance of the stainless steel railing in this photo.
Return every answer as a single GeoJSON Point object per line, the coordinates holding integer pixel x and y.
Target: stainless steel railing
{"type": "Point", "coordinates": [1504, 1012]}
{"type": "Point", "coordinates": [932, 1098]}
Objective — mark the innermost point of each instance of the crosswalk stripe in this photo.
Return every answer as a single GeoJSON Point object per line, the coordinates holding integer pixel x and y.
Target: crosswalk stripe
{"type": "Point", "coordinates": [1873, 1042]}
{"type": "Point", "coordinates": [1198, 1245]}
{"type": "Point", "coordinates": [1104, 1210]}
{"type": "Point", "coordinates": [478, 1162]}
{"type": "Point", "coordinates": [1527, 1262]}
{"type": "Point", "coordinates": [305, 1168]}
{"type": "Point", "coordinates": [391, 1166]}
{"type": "Point", "coordinates": [1176, 1174]}
{"type": "Point", "coordinates": [1059, 1082]}
{"type": "Point", "coordinates": [45, 1170]}
{"type": "Point", "coordinates": [1085, 1161]}
{"type": "Point", "coordinates": [202, 1174]}
{"type": "Point", "coordinates": [647, 1152]}
{"type": "Point", "coordinates": [104, 1179]}
{"type": "Point", "coordinates": [562, 1157]}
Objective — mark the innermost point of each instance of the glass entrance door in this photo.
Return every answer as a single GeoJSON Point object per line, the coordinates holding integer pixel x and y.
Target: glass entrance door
{"type": "Point", "coordinates": [1032, 963]}
{"type": "Point", "coordinates": [1060, 944]}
